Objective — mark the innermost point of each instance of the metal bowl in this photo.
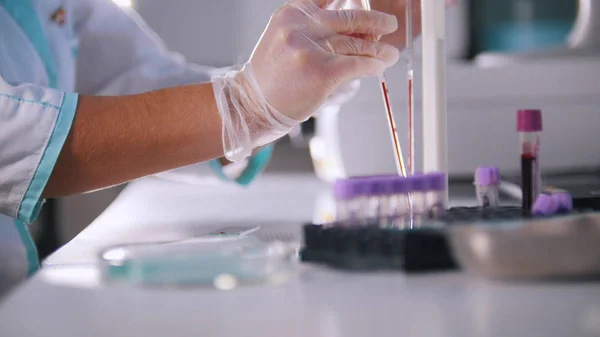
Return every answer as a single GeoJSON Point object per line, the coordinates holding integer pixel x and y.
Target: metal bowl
{"type": "Point", "coordinates": [566, 247]}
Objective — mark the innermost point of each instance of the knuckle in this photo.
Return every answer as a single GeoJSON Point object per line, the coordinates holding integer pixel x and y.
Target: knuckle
{"type": "Point", "coordinates": [339, 16]}
{"type": "Point", "coordinates": [352, 19]}
{"type": "Point", "coordinates": [346, 17]}
{"type": "Point", "coordinates": [280, 12]}
{"type": "Point", "coordinates": [285, 36]}
{"type": "Point", "coordinates": [301, 57]}
{"type": "Point", "coordinates": [376, 49]}
{"type": "Point", "coordinates": [331, 45]}
{"type": "Point", "coordinates": [354, 46]}
{"type": "Point", "coordinates": [285, 11]}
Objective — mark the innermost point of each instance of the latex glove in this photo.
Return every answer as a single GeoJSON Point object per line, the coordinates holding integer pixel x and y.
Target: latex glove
{"type": "Point", "coordinates": [395, 7]}
{"type": "Point", "coordinates": [343, 93]}
{"type": "Point", "coordinates": [302, 57]}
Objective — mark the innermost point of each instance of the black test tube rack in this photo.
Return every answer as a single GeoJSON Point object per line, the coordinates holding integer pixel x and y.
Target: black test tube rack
{"type": "Point", "coordinates": [369, 247]}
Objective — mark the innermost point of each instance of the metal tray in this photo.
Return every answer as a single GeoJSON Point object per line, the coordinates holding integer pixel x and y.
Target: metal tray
{"type": "Point", "coordinates": [565, 247]}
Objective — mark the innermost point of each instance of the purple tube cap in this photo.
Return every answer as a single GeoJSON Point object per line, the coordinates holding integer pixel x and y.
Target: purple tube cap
{"type": "Point", "coordinates": [377, 186]}
{"type": "Point", "coordinates": [400, 185]}
{"type": "Point", "coordinates": [347, 189]}
{"type": "Point", "coordinates": [564, 201]}
{"type": "Point", "coordinates": [529, 120]}
{"type": "Point", "coordinates": [419, 183]}
{"type": "Point", "coordinates": [545, 204]}
{"type": "Point", "coordinates": [487, 175]}
{"type": "Point", "coordinates": [438, 181]}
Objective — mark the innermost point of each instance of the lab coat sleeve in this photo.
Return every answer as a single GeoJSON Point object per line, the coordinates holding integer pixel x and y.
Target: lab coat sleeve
{"type": "Point", "coordinates": [119, 54]}
{"type": "Point", "coordinates": [34, 124]}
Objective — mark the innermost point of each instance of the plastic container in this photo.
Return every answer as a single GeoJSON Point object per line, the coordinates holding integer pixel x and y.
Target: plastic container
{"type": "Point", "coordinates": [487, 182]}
{"type": "Point", "coordinates": [436, 195]}
{"type": "Point", "coordinates": [564, 200]}
{"type": "Point", "coordinates": [220, 262]}
{"type": "Point", "coordinates": [545, 204]}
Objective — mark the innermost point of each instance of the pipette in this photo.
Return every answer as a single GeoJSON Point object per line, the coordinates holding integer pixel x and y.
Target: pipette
{"type": "Point", "coordinates": [409, 76]}
{"type": "Point", "coordinates": [390, 116]}
{"type": "Point", "coordinates": [392, 125]}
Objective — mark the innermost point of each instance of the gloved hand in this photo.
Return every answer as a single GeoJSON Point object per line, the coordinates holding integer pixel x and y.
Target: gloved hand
{"type": "Point", "coordinates": [395, 7]}
{"type": "Point", "coordinates": [343, 93]}
{"type": "Point", "coordinates": [304, 54]}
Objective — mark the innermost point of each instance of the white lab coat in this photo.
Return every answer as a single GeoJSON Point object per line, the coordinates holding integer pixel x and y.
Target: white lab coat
{"type": "Point", "coordinates": [51, 51]}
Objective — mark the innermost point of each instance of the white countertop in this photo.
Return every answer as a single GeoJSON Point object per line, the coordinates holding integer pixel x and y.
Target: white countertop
{"type": "Point", "coordinates": [67, 298]}
{"type": "Point", "coordinates": [154, 209]}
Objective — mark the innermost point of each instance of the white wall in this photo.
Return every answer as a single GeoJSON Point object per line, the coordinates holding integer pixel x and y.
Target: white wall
{"type": "Point", "coordinates": [218, 33]}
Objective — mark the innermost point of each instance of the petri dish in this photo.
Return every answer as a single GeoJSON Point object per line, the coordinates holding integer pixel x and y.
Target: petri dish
{"type": "Point", "coordinates": [220, 262]}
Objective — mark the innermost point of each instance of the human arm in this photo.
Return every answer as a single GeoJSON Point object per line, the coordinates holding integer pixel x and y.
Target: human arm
{"type": "Point", "coordinates": [115, 139]}
{"type": "Point", "coordinates": [83, 142]}
{"type": "Point", "coordinates": [118, 54]}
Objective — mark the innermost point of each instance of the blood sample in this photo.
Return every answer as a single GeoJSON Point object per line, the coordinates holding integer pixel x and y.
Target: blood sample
{"type": "Point", "coordinates": [401, 168]}
{"type": "Point", "coordinates": [394, 133]}
{"type": "Point", "coordinates": [529, 126]}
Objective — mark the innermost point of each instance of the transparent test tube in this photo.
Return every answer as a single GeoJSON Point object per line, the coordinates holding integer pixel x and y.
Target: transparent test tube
{"type": "Point", "coordinates": [487, 181]}
{"type": "Point", "coordinates": [436, 195]}
{"type": "Point", "coordinates": [376, 201]}
{"type": "Point", "coordinates": [529, 126]}
{"type": "Point", "coordinates": [399, 201]}
{"type": "Point", "coordinates": [419, 186]}
{"type": "Point", "coordinates": [350, 198]}
{"type": "Point", "coordinates": [400, 167]}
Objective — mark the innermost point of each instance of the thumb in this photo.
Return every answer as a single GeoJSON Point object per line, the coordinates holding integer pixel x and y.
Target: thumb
{"type": "Point", "coordinates": [351, 67]}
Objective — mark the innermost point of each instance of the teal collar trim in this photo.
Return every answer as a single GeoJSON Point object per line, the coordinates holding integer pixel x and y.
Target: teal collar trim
{"type": "Point", "coordinates": [32, 257]}
{"type": "Point", "coordinates": [25, 15]}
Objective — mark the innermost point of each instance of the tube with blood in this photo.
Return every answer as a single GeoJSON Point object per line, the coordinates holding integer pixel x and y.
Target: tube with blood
{"type": "Point", "coordinates": [529, 126]}
{"type": "Point", "coordinates": [366, 4]}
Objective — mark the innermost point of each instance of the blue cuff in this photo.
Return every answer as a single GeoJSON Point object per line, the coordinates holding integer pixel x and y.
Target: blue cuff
{"type": "Point", "coordinates": [256, 165]}
{"type": "Point", "coordinates": [31, 204]}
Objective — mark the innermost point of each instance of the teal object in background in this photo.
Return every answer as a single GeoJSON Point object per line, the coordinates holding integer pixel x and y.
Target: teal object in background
{"type": "Point", "coordinates": [525, 36]}
{"type": "Point", "coordinates": [520, 25]}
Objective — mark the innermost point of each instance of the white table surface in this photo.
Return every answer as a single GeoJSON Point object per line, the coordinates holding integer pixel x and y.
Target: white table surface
{"type": "Point", "coordinates": [67, 297]}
